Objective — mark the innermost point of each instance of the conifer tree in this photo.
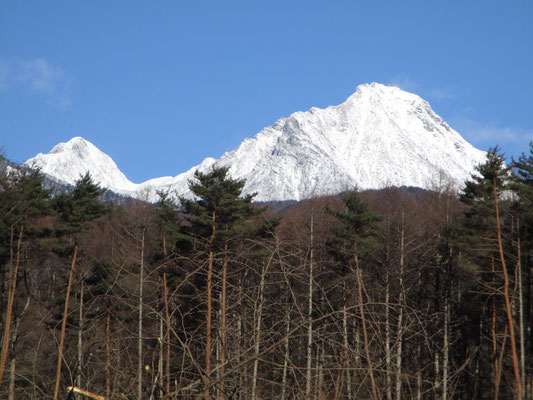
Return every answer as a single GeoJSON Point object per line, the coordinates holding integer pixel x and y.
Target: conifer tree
{"type": "Point", "coordinates": [22, 198]}
{"type": "Point", "coordinates": [216, 218]}
{"type": "Point", "coordinates": [75, 209]}
{"type": "Point", "coordinates": [483, 255]}
{"type": "Point", "coordinates": [523, 187]}
{"type": "Point", "coordinates": [355, 231]}
{"type": "Point", "coordinates": [478, 194]}
{"type": "Point", "coordinates": [166, 218]}
{"type": "Point", "coordinates": [355, 240]}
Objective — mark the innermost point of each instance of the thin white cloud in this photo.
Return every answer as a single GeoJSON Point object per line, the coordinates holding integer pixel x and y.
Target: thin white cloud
{"type": "Point", "coordinates": [40, 77]}
{"type": "Point", "coordinates": [415, 86]}
{"type": "Point", "coordinates": [478, 133]}
{"type": "Point", "coordinates": [407, 84]}
{"type": "Point", "coordinates": [440, 94]}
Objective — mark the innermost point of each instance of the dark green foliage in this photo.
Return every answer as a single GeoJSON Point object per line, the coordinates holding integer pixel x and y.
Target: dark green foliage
{"type": "Point", "coordinates": [523, 207]}
{"type": "Point", "coordinates": [356, 229]}
{"type": "Point", "coordinates": [22, 200]}
{"type": "Point", "coordinates": [219, 206]}
{"type": "Point", "coordinates": [491, 173]}
{"type": "Point", "coordinates": [477, 238]}
{"type": "Point", "coordinates": [523, 186]}
{"type": "Point", "coordinates": [22, 196]}
{"type": "Point", "coordinates": [77, 208]}
{"type": "Point", "coordinates": [479, 257]}
{"type": "Point", "coordinates": [166, 215]}
{"type": "Point", "coordinates": [479, 228]}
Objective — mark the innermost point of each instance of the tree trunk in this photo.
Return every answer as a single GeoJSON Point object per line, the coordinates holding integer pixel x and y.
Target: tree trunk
{"type": "Point", "coordinates": [164, 245]}
{"type": "Point", "coordinates": [388, 354]}
{"type": "Point", "coordinates": [363, 323]}
{"type": "Point", "coordinates": [167, 334]}
{"type": "Point", "coordinates": [140, 324]}
{"type": "Point", "coordinates": [240, 336]}
{"type": "Point", "coordinates": [510, 323]}
{"type": "Point", "coordinates": [209, 307]}
{"type": "Point", "coordinates": [223, 330]}
{"type": "Point", "coordinates": [107, 359]}
{"type": "Point", "coordinates": [10, 301]}
{"type": "Point", "coordinates": [446, 345]}
{"type": "Point", "coordinates": [528, 308]}
{"type": "Point", "coordinates": [320, 368]}
{"type": "Point", "coordinates": [499, 365]}
{"type": "Point", "coordinates": [258, 334]}
{"type": "Point", "coordinates": [12, 369]}
{"type": "Point", "coordinates": [84, 393]}
{"type": "Point", "coordinates": [13, 362]}
{"type": "Point", "coordinates": [80, 339]}
{"type": "Point", "coordinates": [346, 344]}
{"type": "Point", "coordinates": [399, 333]}
{"type": "Point", "coordinates": [521, 333]}
{"type": "Point", "coordinates": [309, 319]}
{"type": "Point", "coordinates": [160, 364]}
{"type": "Point", "coordinates": [496, 366]}
{"type": "Point", "coordinates": [445, 352]}
{"type": "Point", "coordinates": [216, 388]}
{"type": "Point", "coordinates": [285, 355]}
{"type": "Point", "coordinates": [64, 323]}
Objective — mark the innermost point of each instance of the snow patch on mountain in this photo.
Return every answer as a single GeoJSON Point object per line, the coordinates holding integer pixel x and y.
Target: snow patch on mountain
{"type": "Point", "coordinates": [380, 136]}
{"type": "Point", "coordinates": [67, 162]}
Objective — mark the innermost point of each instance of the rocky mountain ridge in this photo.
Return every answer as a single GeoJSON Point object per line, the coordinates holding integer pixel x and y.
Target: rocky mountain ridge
{"type": "Point", "coordinates": [380, 136]}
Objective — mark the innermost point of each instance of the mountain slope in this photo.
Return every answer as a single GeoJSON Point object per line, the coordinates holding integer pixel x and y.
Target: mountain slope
{"type": "Point", "coordinates": [66, 162]}
{"type": "Point", "coordinates": [380, 136]}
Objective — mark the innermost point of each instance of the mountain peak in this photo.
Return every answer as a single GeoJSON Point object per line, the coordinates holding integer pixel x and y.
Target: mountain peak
{"type": "Point", "coordinates": [380, 136]}
{"type": "Point", "coordinates": [379, 91]}
{"type": "Point", "coordinates": [67, 162]}
{"type": "Point", "coordinates": [76, 144]}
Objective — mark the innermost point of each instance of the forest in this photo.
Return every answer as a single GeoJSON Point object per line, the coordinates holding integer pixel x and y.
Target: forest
{"type": "Point", "coordinates": [387, 294]}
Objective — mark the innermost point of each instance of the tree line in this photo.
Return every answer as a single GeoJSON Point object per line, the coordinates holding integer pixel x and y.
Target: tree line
{"type": "Point", "coordinates": [390, 294]}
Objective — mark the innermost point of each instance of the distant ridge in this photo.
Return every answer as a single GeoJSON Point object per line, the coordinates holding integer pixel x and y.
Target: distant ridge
{"type": "Point", "coordinates": [380, 136]}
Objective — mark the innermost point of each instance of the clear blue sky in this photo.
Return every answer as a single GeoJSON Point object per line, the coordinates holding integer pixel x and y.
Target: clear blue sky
{"type": "Point", "coordinates": [160, 85]}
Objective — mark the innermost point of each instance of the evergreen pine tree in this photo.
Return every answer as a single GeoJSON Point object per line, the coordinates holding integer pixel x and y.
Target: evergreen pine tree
{"type": "Point", "coordinates": [523, 187]}
{"type": "Point", "coordinates": [22, 199]}
{"type": "Point", "coordinates": [219, 207]}
{"type": "Point", "coordinates": [479, 239]}
{"type": "Point", "coordinates": [354, 241]}
{"type": "Point", "coordinates": [216, 219]}
{"type": "Point", "coordinates": [356, 229]}
{"type": "Point", "coordinates": [75, 210]}
{"type": "Point", "coordinates": [478, 195]}
{"type": "Point", "coordinates": [166, 218]}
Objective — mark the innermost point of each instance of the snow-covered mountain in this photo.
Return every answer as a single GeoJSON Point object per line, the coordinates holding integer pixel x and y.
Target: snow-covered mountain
{"type": "Point", "coordinates": [67, 161]}
{"type": "Point", "coordinates": [380, 136]}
